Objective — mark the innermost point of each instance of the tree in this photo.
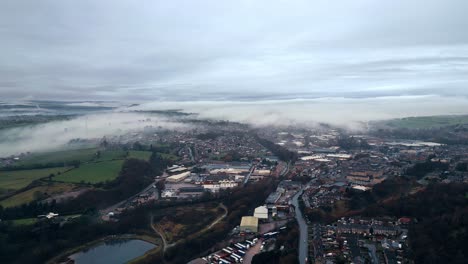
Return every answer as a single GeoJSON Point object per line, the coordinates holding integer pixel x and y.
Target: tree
{"type": "Point", "coordinates": [462, 166]}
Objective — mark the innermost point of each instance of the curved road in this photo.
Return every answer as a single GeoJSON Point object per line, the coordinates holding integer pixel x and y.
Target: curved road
{"type": "Point", "coordinates": [303, 241]}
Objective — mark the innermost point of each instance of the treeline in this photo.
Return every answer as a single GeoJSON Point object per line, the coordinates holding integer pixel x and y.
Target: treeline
{"type": "Point", "coordinates": [348, 143]}
{"type": "Point", "coordinates": [360, 200]}
{"type": "Point", "coordinates": [134, 176]}
{"type": "Point", "coordinates": [72, 163]}
{"type": "Point", "coordinates": [289, 240]}
{"type": "Point", "coordinates": [391, 187]}
{"type": "Point", "coordinates": [452, 135]}
{"type": "Point", "coordinates": [46, 239]}
{"type": "Point", "coordinates": [419, 170]}
{"type": "Point", "coordinates": [281, 152]}
{"type": "Point", "coordinates": [440, 234]}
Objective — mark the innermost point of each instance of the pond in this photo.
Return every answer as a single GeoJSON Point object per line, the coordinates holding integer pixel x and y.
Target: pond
{"type": "Point", "coordinates": [115, 251]}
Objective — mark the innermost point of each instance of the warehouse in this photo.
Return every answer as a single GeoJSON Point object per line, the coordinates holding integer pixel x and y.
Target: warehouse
{"type": "Point", "coordinates": [261, 212]}
{"type": "Point", "coordinates": [178, 177]}
{"type": "Point", "coordinates": [249, 224]}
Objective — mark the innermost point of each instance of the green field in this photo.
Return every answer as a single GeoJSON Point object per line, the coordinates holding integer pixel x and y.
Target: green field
{"type": "Point", "coordinates": [136, 154]}
{"type": "Point", "coordinates": [24, 221]}
{"type": "Point", "coordinates": [112, 155]}
{"type": "Point", "coordinates": [425, 122]}
{"type": "Point", "coordinates": [36, 192]}
{"type": "Point", "coordinates": [92, 172]}
{"type": "Point", "coordinates": [14, 180]}
{"type": "Point", "coordinates": [82, 155]}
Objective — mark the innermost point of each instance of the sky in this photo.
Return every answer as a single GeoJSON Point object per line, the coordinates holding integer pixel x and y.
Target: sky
{"type": "Point", "coordinates": [233, 51]}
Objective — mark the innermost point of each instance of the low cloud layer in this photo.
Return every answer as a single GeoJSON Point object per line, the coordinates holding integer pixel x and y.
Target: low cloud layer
{"type": "Point", "coordinates": [55, 135]}
{"type": "Point", "coordinates": [351, 113]}
{"type": "Point", "coordinates": [237, 50]}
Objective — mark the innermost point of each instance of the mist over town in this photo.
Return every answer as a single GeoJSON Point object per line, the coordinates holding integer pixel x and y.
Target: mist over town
{"type": "Point", "coordinates": [252, 132]}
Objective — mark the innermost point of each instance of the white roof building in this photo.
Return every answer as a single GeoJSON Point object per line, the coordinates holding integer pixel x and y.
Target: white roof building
{"type": "Point", "coordinates": [178, 177]}
{"type": "Point", "coordinates": [261, 212]}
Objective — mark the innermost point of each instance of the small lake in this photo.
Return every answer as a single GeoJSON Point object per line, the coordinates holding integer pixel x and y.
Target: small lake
{"type": "Point", "coordinates": [115, 251]}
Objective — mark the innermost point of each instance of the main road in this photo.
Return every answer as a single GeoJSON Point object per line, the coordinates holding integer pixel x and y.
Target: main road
{"type": "Point", "coordinates": [303, 237]}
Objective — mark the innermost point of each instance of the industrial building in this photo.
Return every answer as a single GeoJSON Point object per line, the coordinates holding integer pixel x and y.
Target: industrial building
{"type": "Point", "coordinates": [261, 212]}
{"type": "Point", "coordinates": [178, 177]}
{"type": "Point", "coordinates": [249, 224]}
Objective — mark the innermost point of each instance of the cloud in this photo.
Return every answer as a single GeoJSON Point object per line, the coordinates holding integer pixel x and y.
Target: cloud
{"type": "Point", "coordinates": [349, 113]}
{"type": "Point", "coordinates": [56, 135]}
{"type": "Point", "coordinates": [212, 50]}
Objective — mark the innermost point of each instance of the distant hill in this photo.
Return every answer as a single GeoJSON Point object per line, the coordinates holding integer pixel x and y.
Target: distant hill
{"type": "Point", "coordinates": [425, 122]}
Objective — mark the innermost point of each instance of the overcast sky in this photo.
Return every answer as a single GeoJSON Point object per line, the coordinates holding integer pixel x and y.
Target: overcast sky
{"type": "Point", "coordinates": [232, 50]}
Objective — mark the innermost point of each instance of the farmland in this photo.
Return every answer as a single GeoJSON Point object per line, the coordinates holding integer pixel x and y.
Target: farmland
{"type": "Point", "coordinates": [35, 193]}
{"type": "Point", "coordinates": [14, 180]}
{"type": "Point", "coordinates": [143, 155]}
{"type": "Point", "coordinates": [111, 155]}
{"type": "Point", "coordinates": [24, 221]}
{"type": "Point", "coordinates": [92, 172]}
{"type": "Point", "coordinates": [64, 156]}
{"type": "Point", "coordinates": [426, 122]}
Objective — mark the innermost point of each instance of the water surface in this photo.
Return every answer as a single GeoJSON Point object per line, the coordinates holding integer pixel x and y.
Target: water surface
{"type": "Point", "coordinates": [110, 252]}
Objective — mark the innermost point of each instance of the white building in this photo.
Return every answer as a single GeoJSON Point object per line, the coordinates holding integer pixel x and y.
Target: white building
{"type": "Point", "coordinates": [222, 184]}
{"type": "Point", "coordinates": [261, 212]}
{"type": "Point", "coordinates": [178, 177]}
{"type": "Point", "coordinates": [167, 193]}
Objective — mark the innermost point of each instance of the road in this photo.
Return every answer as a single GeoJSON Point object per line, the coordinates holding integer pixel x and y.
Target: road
{"type": "Point", "coordinates": [192, 158]}
{"type": "Point", "coordinates": [104, 212]}
{"type": "Point", "coordinates": [303, 238]}
{"type": "Point", "coordinates": [286, 169]}
{"type": "Point", "coordinates": [248, 175]}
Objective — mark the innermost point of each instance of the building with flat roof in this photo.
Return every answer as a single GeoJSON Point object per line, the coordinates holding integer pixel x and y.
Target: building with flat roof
{"type": "Point", "coordinates": [261, 212]}
{"type": "Point", "coordinates": [178, 177]}
{"type": "Point", "coordinates": [249, 224]}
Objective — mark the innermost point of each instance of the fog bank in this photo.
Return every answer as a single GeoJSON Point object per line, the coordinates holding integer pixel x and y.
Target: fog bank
{"type": "Point", "coordinates": [350, 113]}
{"type": "Point", "coordinates": [55, 135]}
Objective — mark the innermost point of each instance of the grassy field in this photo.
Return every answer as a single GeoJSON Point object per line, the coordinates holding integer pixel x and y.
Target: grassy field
{"type": "Point", "coordinates": [24, 221]}
{"type": "Point", "coordinates": [82, 155]}
{"type": "Point", "coordinates": [36, 192]}
{"type": "Point", "coordinates": [14, 180]}
{"type": "Point", "coordinates": [425, 122]}
{"type": "Point", "coordinates": [92, 172]}
{"type": "Point", "coordinates": [145, 155]}
{"type": "Point", "coordinates": [136, 154]}
{"type": "Point", "coordinates": [112, 155]}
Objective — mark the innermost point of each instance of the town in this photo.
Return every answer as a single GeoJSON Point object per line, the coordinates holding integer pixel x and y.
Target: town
{"type": "Point", "coordinates": [317, 176]}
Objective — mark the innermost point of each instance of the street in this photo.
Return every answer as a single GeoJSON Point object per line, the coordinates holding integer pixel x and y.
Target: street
{"type": "Point", "coordinates": [303, 238]}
